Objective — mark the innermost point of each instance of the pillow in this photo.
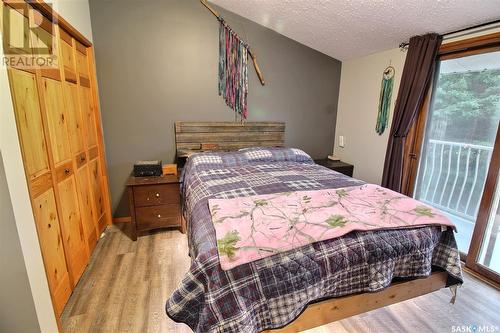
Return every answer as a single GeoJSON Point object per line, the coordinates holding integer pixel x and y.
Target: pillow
{"type": "Point", "coordinates": [243, 156]}
{"type": "Point", "coordinates": [272, 154]}
{"type": "Point", "coordinates": [218, 159]}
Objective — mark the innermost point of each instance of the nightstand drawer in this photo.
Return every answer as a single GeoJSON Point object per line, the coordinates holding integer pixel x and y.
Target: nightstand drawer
{"type": "Point", "coordinates": [158, 216]}
{"type": "Point", "coordinates": [152, 195]}
{"type": "Point", "coordinates": [154, 203]}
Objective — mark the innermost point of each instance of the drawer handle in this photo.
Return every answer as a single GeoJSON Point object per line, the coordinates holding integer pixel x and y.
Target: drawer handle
{"type": "Point", "coordinates": [159, 216]}
{"type": "Point", "coordinates": [82, 158]}
{"type": "Point", "coordinates": [157, 195]}
{"type": "Point", "coordinates": [67, 171]}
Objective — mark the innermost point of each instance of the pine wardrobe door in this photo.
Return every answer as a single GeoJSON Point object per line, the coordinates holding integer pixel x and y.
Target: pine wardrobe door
{"type": "Point", "coordinates": [57, 110]}
{"type": "Point", "coordinates": [77, 137]}
{"type": "Point", "coordinates": [83, 187]}
{"type": "Point", "coordinates": [71, 222]}
{"type": "Point", "coordinates": [36, 164]}
{"type": "Point", "coordinates": [93, 136]}
{"type": "Point", "coordinates": [49, 235]}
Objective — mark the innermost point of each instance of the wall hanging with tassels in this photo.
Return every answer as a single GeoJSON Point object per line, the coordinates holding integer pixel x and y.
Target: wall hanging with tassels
{"type": "Point", "coordinates": [384, 104]}
{"type": "Point", "coordinates": [233, 67]}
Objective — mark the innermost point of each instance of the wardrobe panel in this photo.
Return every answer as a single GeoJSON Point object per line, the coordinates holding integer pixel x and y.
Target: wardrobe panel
{"type": "Point", "coordinates": [85, 199]}
{"type": "Point", "coordinates": [42, 36]}
{"type": "Point", "coordinates": [71, 222]}
{"type": "Point", "coordinates": [68, 58]}
{"type": "Point", "coordinates": [50, 238]}
{"type": "Point", "coordinates": [56, 118]}
{"type": "Point", "coordinates": [18, 41]}
{"type": "Point", "coordinates": [82, 61]}
{"type": "Point", "coordinates": [88, 116]}
{"type": "Point", "coordinates": [95, 180]}
{"type": "Point", "coordinates": [67, 53]}
{"type": "Point", "coordinates": [74, 119]}
{"type": "Point", "coordinates": [29, 122]}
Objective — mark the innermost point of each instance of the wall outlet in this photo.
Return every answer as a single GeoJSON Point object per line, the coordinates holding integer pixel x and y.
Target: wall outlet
{"type": "Point", "coordinates": [341, 141]}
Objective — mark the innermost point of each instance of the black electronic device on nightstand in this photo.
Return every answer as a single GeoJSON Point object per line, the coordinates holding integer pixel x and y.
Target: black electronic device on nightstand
{"type": "Point", "coordinates": [147, 168]}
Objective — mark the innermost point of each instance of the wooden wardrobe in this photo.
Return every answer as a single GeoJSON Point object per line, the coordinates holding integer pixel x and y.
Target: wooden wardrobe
{"type": "Point", "coordinates": [59, 127]}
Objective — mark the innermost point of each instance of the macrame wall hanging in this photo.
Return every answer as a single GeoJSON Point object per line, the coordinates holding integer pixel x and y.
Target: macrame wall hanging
{"type": "Point", "coordinates": [233, 67]}
{"type": "Point", "coordinates": [384, 103]}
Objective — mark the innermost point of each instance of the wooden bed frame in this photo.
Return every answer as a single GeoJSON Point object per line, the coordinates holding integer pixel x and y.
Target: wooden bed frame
{"type": "Point", "coordinates": [325, 312]}
{"type": "Point", "coordinates": [225, 136]}
{"type": "Point", "coordinates": [191, 137]}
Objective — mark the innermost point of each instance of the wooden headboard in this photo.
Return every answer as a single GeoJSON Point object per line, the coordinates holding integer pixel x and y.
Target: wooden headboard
{"type": "Point", "coordinates": [224, 136]}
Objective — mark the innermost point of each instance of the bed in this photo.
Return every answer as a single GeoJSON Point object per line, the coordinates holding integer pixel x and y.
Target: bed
{"type": "Point", "coordinates": [307, 286]}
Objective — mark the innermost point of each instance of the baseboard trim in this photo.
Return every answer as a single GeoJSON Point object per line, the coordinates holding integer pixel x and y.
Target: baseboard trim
{"type": "Point", "coordinates": [125, 219]}
{"type": "Point", "coordinates": [481, 277]}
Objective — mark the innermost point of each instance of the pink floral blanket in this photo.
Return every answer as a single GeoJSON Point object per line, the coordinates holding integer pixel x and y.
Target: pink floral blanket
{"type": "Point", "coordinates": [251, 228]}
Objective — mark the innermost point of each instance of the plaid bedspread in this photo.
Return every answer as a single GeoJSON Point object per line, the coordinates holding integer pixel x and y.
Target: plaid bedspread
{"type": "Point", "coordinates": [271, 292]}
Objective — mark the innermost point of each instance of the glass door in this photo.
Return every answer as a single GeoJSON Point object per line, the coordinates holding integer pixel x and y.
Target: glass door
{"type": "Point", "coordinates": [460, 134]}
{"type": "Point", "coordinates": [490, 249]}
{"type": "Point", "coordinates": [484, 252]}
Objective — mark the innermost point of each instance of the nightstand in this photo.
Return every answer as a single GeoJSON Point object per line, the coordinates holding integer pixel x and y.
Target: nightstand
{"type": "Point", "coordinates": [154, 203]}
{"type": "Point", "coordinates": [339, 166]}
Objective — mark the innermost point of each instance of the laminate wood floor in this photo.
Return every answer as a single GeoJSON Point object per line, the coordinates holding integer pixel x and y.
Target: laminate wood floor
{"type": "Point", "coordinates": [126, 284]}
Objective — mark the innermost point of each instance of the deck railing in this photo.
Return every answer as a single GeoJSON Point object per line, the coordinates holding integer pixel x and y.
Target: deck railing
{"type": "Point", "coordinates": [453, 175]}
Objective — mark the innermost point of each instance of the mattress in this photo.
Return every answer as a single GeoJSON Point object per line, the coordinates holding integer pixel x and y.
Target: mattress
{"type": "Point", "coordinates": [271, 292]}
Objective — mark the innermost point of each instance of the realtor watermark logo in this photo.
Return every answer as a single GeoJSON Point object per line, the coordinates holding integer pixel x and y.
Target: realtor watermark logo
{"type": "Point", "coordinates": [28, 37]}
{"type": "Point", "coordinates": [474, 328]}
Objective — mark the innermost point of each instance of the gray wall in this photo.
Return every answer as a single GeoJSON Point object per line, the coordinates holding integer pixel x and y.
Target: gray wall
{"type": "Point", "coordinates": [17, 310]}
{"type": "Point", "coordinates": [157, 63]}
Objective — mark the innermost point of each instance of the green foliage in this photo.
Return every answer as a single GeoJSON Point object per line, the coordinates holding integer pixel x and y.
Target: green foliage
{"type": "Point", "coordinates": [223, 218]}
{"type": "Point", "coordinates": [215, 209]}
{"type": "Point", "coordinates": [468, 94]}
{"type": "Point", "coordinates": [227, 245]}
{"type": "Point", "coordinates": [260, 202]}
{"type": "Point", "coordinates": [336, 221]}
{"type": "Point", "coordinates": [469, 104]}
{"type": "Point", "coordinates": [424, 211]}
{"type": "Point", "coordinates": [307, 199]}
{"type": "Point", "coordinates": [342, 193]}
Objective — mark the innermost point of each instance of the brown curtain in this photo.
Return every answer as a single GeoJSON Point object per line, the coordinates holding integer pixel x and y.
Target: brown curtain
{"type": "Point", "coordinates": [417, 75]}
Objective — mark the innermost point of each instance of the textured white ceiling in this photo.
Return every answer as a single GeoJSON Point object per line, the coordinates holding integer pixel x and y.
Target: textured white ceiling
{"type": "Point", "coordinates": [351, 28]}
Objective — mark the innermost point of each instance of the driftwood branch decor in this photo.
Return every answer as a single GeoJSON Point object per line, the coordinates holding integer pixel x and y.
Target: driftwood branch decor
{"type": "Point", "coordinates": [233, 67]}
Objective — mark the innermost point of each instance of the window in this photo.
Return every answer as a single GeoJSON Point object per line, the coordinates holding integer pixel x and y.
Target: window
{"type": "Point", "coordinates": [453, 150]}
{"type": "Point", "coordinates": [459, 138]}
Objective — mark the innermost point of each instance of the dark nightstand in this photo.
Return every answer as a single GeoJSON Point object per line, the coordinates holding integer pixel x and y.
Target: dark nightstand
{"type": "Point", "coordinates": [339, 166]}
{"type": "Point", "coordinates": [154, 203]}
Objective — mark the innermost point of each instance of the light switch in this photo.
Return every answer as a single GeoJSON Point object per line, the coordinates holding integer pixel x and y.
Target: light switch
{"type": "Point", "coordinates": [341, 141]}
